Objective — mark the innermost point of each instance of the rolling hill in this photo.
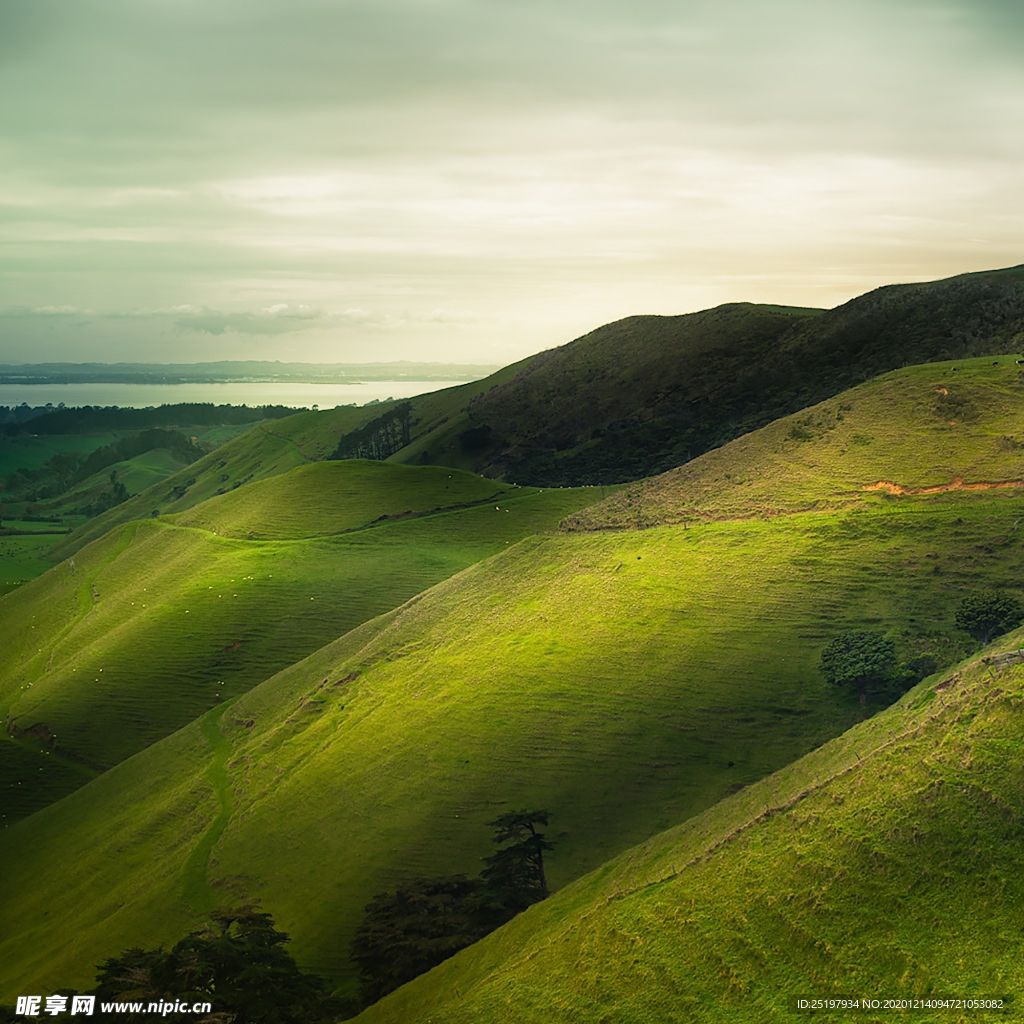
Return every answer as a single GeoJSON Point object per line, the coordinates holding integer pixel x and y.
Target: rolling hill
{"type": "Point", "coordinates": [646, 394]}
{"type": "Point", "coordinates": [961, 418]}
{"type": "Point", "coordinates": [625, 680]}
{"type": "Point", "coordinates": [162, 619]}
{"type": "Point", "coordinates": [888, 864]}
{"type": "Point", "coordinates": [635, 397]}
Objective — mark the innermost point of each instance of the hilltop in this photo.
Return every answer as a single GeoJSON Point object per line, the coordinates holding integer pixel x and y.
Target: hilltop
{"type": "Point", "coordinates": [645, 394]}
{"type": "Point", "coordinates": [887, 864]}
{"type": "Point", "coordinates": [961, 419]}
{"type": "Point", "coordinates": [625, 680]}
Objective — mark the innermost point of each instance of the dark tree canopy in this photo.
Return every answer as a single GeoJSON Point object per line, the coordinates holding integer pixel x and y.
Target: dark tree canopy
{"type": "Point", "coordinates": [515, 873]}
{"type": "Point", "coordinates": [988, 614]}
{"type": "Point", "coordinates": [421, 924]}
{"type": "Point", "coordinates": [858, 659]}
{"type": "Point", "coordinates": [426, 920]}
{"type": "Point", "coordinates": [237, 963]}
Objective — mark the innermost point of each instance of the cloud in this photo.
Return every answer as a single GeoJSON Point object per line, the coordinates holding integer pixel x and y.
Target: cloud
{"type": "Point", "coordinates": [317, 168]}
{"type": "Point", "coordinates": [278, 318]}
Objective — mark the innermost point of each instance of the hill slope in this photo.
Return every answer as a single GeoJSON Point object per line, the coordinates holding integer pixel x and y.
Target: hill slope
{"type": "Point", "coordinates": [962, 419]}
{"type": "Point", "coordinates": [270, 449]}
{"type": "Point", "coordinates": [887, 864]}
{"type": "Point", "coordinates": [160, 620]}
{"type": "Point", "coordinates": [625, 680]}
{"type": "Point", "coordinates": [645, 394]}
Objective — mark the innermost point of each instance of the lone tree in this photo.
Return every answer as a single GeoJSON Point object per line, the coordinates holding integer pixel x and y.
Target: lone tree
{"type": "Point", "coordinates": [858, 659]}
{"type": "Point", "coordinates": [426, 920]}
{"type": "Point", "coordinates": [515, 874]}
{"type": "Point", "coordinates": [987, 614]}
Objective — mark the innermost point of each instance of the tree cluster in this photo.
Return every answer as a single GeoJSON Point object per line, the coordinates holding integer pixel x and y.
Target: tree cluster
{"type": "Point", "coordinates": [426, 920]}
{"type": "Point", "coordinates": [380, 438]}
{"type": "Point", "coordinates": [88, 418]}
{"type": "Point", "coordinates": [237, 964]}
{"type": "Point", "coordinates": [861, 659]}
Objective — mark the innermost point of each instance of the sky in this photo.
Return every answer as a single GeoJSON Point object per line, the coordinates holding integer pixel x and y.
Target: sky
{"type": "Point", "coordinates": [477, 180]}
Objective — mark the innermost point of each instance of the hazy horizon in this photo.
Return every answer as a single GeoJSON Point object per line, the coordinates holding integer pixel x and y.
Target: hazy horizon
{"type": "Point", "coordinates": [461, 181]}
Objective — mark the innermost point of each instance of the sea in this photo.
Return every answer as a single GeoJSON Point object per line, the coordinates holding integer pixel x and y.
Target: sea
{"type": "Point", "coordinates": [138, 396]}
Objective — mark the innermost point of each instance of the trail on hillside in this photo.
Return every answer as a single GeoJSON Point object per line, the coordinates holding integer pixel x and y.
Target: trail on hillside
{"type": "Point", "coordinates": [195, 887]}
{"type": "Point", "coordinates": [291, 441]}
{"type": "Point", "coordinates": [956, 484]}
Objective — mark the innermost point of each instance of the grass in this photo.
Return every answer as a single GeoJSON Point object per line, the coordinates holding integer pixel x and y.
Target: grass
{"type": "Point", "coordinates": [159, 621]}
{"type": "Point", "coordinates": [33, 452]}
{"type": "Point", "coordinates": [271, 449]}
{"type": "Point", "coordinates": [962, 420]}
{"type": "Point", "coordinates": [23, 558]}
{"type": "Point", "coordinates": [624, 681]}
{"type": "Point", "coordinates": [887, 864]}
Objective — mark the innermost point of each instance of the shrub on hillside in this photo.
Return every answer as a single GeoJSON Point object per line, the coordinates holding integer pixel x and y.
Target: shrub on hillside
{"type": "Point", "coordinates": [858, 659]}
{"type": "Point", "coordinates": [988, 614]}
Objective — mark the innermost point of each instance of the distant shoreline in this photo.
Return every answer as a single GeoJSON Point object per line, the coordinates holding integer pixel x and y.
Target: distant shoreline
{"type": "Point", "coordinates": [325, 394]}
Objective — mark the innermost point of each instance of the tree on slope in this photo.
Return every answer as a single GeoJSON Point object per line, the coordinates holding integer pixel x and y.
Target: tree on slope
{"type": "Point", "coordinates": [858, 659]}
{"type": "Point", "coordinates": [515, 873]}
{"type": "Point", "coordinates": [988, 614]}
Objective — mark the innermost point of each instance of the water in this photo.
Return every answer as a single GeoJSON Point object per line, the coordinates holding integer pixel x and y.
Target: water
{"type": "Point", "coordinates": [138, 396]}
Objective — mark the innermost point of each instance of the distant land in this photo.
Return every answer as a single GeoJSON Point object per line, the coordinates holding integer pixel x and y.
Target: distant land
{"type": "Point", "coordinates": [237, 371]}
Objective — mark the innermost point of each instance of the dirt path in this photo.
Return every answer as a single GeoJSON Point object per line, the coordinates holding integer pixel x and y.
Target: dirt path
{"type": "Point", "coordinates": [956, 484]}
{"type": "Point", "coordinates": [196, 888]}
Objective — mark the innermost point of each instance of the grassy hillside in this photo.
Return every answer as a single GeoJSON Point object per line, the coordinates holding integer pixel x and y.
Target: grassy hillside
{"type": "Point", "coordinates": [887, 864]}
{"type": "Point", "coordinates": [162, 619]}
{"type": "Point", "coordinates": [635, 397]}
{"type": "Point", "coordinates": [645, 394]}
{"type": "Point", "coordinates": [624, 681]}
{"type": "Point", "coordinates": [962, 419]}
{"type": "Point", "coordinates": [270, 449]}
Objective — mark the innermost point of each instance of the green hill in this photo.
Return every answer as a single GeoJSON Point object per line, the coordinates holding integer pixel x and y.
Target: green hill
{"type": "Point", "coordinates": [962, 419]}
{"type": "Point", "coordinates": [889, 864]}
{"type": "Point", "coordinates": [632, 398]}
{"type": "Point", "coordinates": [624, 680]}
{"type": "Point", "coordinates": [270, 449]}
{"type": "Point", "coordinates": [161, 620]}
{"type": "Point", "coordinates": [645, 394]}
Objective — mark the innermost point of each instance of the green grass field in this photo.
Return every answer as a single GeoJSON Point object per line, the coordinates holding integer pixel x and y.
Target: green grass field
{"type": "Point", "coordinates": [961, 419]}
{"type": "Point", "coordinates": [887, 864]}
{"type": "Point", "coordinates": [624, 681]}
{"type": "Point", "coordinates": [160, 620]}
{"type": "Point", "coordinates": [23, 558]}
{"type": "Point", "coordinates": [32, 452]}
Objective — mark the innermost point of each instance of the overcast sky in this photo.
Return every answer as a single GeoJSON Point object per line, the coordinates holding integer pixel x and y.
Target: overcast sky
{"type": "Point", "coordinates": [352, 180]}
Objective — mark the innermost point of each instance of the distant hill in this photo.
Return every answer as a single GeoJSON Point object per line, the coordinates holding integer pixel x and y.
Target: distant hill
{"type": "Point", "coordinates": [645, 394]}
{"type": "Point", "coordinates": [625, 680]}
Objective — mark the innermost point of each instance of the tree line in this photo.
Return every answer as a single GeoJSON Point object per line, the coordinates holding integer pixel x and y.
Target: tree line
{"type": "Point", "coordinates": [89, 418]}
